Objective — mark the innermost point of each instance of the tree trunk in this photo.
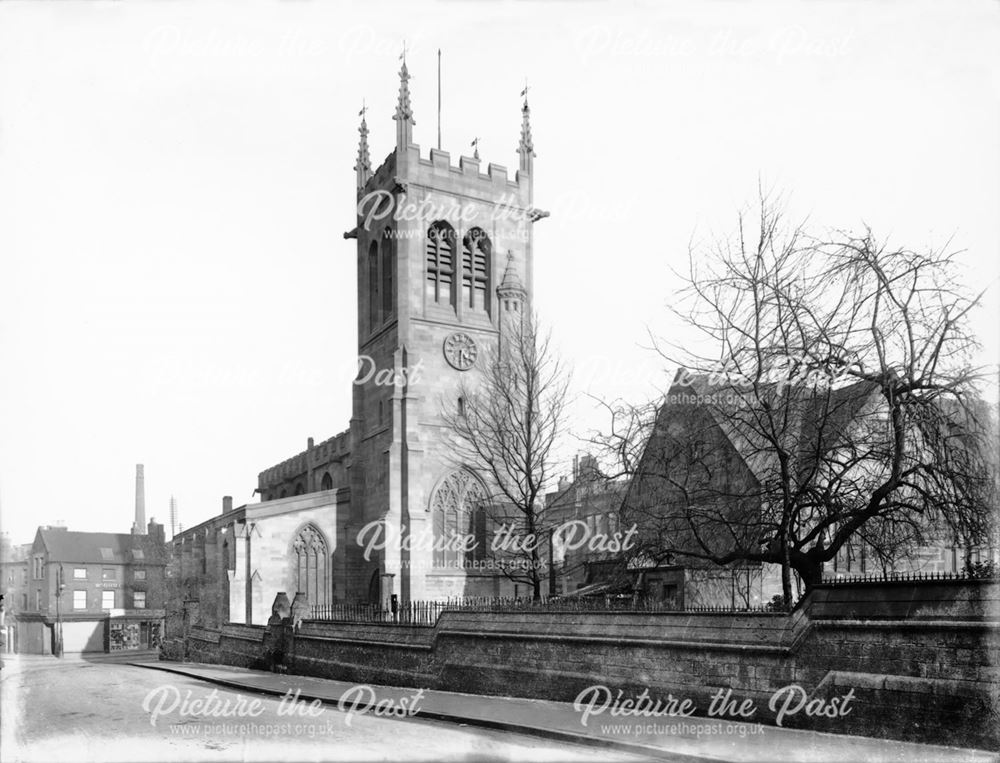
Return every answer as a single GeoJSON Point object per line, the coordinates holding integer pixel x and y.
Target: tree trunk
{"type": "Point", "coordinates": [810, 571]}
{"type": "Point", "coordinates": [786, 570]}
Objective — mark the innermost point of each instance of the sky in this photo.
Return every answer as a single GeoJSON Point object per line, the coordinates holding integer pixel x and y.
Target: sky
{"type": "Point", "coordinates": [175, 180]}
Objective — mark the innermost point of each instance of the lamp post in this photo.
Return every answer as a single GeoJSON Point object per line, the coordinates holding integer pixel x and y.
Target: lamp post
{"type": "Point", "coordinates": [60, 586]}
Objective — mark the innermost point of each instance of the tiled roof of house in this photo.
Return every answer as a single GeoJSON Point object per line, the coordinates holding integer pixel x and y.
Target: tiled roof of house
{"type": "Point", "coordinates": [97, 548]}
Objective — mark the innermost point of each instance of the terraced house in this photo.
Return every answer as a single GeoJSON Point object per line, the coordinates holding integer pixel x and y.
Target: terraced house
{"type": "Point", "coordinates": [102, 591]}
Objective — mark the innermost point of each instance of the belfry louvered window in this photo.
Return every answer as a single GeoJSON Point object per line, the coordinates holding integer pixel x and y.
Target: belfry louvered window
{"type": "Point", "coordinates": [441, 264]}
{"type": "Point", "coordinates": [476, 250]}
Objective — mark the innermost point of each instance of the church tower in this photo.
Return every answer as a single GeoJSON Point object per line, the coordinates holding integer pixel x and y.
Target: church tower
{"type": "Point", "coordinates": [442, 252]}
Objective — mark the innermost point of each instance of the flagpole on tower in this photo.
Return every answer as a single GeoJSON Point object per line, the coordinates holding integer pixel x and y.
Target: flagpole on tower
{"type": "Point", "coordinates": [439, 99]}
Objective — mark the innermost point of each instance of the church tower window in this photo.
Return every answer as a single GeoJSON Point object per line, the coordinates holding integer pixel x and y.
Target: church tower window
{"type": "Point", "coordinates": [458, 508]}
{"type": "Point", "coordinates": [476, 251]}
{"type": "Point", "coordinates": [373, 300]}
{"type": "Point", "coordinates": [312, 568]}
{"type": "Point", "coordinates": [441, 264]}
{"type": "Point", "coordinates": [388, 308]}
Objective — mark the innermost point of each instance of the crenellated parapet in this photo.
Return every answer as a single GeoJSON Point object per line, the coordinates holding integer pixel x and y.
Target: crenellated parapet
{"type": "Point", "coordinates": [298, 471]}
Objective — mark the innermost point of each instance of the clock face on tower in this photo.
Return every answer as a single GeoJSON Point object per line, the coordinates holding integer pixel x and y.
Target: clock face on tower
{"type": "Point", "coordinates": [460, 351]}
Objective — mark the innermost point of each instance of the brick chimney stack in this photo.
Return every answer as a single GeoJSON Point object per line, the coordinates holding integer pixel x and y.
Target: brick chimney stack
{"type": "Point", "coordinates": [139, 527]}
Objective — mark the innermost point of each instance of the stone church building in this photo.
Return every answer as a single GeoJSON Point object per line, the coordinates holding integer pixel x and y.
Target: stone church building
{"type": "Point", "coordinates": [444, 263]}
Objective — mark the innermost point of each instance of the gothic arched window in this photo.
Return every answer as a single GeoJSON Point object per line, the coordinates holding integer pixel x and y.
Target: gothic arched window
{"type": "Point", "coordinates": [441, 264]}
{"type": "Point", "coordinates": [327, 482]}
{"type": "Point", "coordinates": [312, 565]}
{"type": "Point", "coordinates": [458, 508]}
{"type": "Point", "coordinates": [388, 308]}
{"type": "Point", "coordinates": [373, 300]}
{"type": "Point", "coordinates": [476, 251]}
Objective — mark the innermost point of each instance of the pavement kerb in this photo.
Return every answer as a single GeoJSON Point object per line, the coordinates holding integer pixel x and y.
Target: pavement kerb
{"type": "Point", "coordinates": [634, 748]}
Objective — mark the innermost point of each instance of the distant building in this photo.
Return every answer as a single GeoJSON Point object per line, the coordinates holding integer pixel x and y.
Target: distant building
{"type": "Point", "coordinates": [111, 597]}
{"type": "Point", "coordinates": [584, 507]}
{"type": "Point", "coordinates": [14, 579]}
{"type": "Point", "coordinates": [104, 592]}
{"type": "Point", "coordinates": [698, 487]}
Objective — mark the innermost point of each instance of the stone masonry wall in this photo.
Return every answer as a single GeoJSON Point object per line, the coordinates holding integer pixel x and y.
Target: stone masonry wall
{"type": "Point", "coordinates": [921, 658]}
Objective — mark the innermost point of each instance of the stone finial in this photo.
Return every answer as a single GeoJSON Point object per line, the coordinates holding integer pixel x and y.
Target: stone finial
{"type": "Point", "coordinates": [404, 112]}
{"type": "Point", "coordinates": [280, 609]}
{"type": "Point", "coordinates": [364, 164]}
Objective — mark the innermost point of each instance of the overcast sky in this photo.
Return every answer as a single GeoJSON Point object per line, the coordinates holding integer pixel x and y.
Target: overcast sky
{"type": "Point", "coordinates": [175, 180]}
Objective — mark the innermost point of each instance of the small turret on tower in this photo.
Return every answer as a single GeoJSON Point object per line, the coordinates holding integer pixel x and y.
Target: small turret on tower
{"type": "Point", "coordinates": [511, 298]}
{"type": "Point", "coordinates": [404, 112]}
{"type": "Point", "coordinates": [525, 148]}
{"type": "Point", "coordinates": [364, 164]}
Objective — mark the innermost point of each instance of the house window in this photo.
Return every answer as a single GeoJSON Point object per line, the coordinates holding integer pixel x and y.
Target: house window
{"type": "Point", "coordinates": [79, 573]}
{"type": "Point", "coordinates": [24, 601]}
{"type": "Point", "coordinates": [139, 600]}
{"type": "Point", "coordinates": [108, 573]}
{"type": "Point", "coordinates": [476, 250]}
{"type": "Point", "coordinates": [441, 264]}
{"type": "Point", "coordinates": [38, 599]}
{"type": "Point", "coordinates": [107, 599]}
{"type": "Point", "coordinates": [38, 570]}
{"type": "Point", "coordinates": [79, 599]}
{"type": "Point", "coordinates": [140, 574]}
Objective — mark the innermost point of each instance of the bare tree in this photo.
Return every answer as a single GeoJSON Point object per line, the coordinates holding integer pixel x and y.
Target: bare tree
{"type": "Point", "coordinates": [838, 400]}
{"type": "Point", "coordinates": [508, 420]}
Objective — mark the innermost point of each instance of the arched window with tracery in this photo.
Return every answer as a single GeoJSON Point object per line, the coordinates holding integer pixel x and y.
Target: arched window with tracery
{"type": "Point", "coordinates": [441, 264]}
{"type": "Point", "coordinates": [458, 508]}
{"type": "Point", "coordinates": [373, 287]}
{"type": "Point", "coordinates": [476, 253]}
{"type": "Point", "coordinates": [312, 565]}
{"type": "Point", "coordinates": [327, 482]}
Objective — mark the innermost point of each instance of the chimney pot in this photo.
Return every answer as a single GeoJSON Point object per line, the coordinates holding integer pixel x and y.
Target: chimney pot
{"type": "Point", "coordinates": [227, 504]}
{"type": "Point", "coordinates": [309, 444]}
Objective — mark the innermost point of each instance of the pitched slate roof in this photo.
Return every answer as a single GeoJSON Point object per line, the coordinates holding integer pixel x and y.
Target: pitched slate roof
{"type": "Point", "coordinates": [731, 408]}
{"type": "Point", "coordinates": [93, 548]}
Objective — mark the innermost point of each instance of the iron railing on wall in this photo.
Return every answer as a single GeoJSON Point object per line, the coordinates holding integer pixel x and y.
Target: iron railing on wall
{"type": "Point", "coordinates": [981, 573]}
{"type": "Point", "coordinates": [427, 612]}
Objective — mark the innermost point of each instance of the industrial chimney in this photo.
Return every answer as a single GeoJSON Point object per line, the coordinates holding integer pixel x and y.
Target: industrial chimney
{"type": "Point", "coordinates": [139, 528]}
{"type": "Point", "coordinates": [173, 516]}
